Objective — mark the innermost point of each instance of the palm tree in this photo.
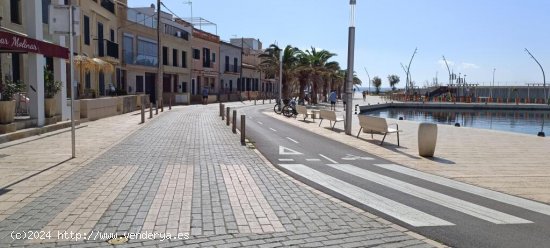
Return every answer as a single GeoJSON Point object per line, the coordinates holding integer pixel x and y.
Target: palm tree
{"type": "Point", "coordinates": [317, 61]}
{"type": "Point", "coordinates": [270, 65]}
{"type": "Point", "coordinates": [377, 82]}
{"type": "Point", "coordinates": [393, 79]}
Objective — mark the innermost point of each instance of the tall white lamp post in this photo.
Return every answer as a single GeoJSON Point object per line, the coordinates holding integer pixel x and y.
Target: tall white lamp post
{"type": "Point", "coordinates": [349, 81]}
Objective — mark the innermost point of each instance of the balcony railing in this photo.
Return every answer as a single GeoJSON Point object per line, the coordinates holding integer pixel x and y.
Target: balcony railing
{"type": "Point", "coordinates": [108, 5]}
{"type": "Point", "coordinates": [233, 69]}
{"type": "Point", "coordinates": [107, 48]}
{"type": "Point", "coordinates": [112, 49]}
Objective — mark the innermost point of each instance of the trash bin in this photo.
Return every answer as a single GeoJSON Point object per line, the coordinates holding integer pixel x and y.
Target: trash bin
{"type": "Point", "coordinates": [427, 139]}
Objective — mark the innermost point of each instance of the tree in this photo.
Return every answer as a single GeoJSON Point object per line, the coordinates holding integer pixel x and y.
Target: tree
{"type": "Point", "coordinates": [270, 65]}
{"type": "Point", "coordinates": [393, 80]}
{"type": "Point", "coordinates": [377, 82]}
{"type": "Point", "coordinates": [318, 68]}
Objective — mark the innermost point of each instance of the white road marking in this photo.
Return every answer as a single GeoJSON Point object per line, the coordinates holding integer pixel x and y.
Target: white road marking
{"type": "Point", "coordinates": [292, 140]}
{"type": "Point", "coordinates": [493, 195]}
{"type": "Point", "coordinates": [287, 151]}
{"type": "Point", "coordinates": [286, 159]}
{"type": "Point", "coordinates": [312, 159]}
{"type": "Point", "coordinates": [259, 122]}
{"type": "Point", "coordinates": [432, 196]}
{"type": "Point", "coordinates": [392, 208]}
{"type": "Point", "coordinates": [354, 157]}
{"type": "Point", "coordinates": [327, 158]}
{"type": "Point", "coordinates": [273, 130]}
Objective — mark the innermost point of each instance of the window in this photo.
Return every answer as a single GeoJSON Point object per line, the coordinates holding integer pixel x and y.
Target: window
{"type": "Point", "coordinates": [184, 59]}
{"type": "Point", "coordinates": [100, 42]}
{"type": "Point", "coordinates": [147, 53]}
{"type": "Point", "coordinates": [213, 57]}
{"type": "Point", "coordinates": [112, 35]}
{"type": "Point", "coordinates": [86, 30]}
{"type": "Point", "coordinates": [184, 87]}
{"type": "Point", "coordinates": [226, 63]}
{"type": "Point", "coordinates": [45, 11]}
{"type": "Point", "coordinates": [196, 54]}
{"type": "Point", "coordinates": [238, 84]}
{"type": "Point", "coordinates": [174, 57]}
{"type": "Point", "coordinates": [88, 80]}
{"type": "Point", "coordinates": [165, 55]}
{"type": "Point", "coordinates": [206, 57]}
{"type": "Point", "coordinates": [15, 11]}
{"type": "Point", "coordinates": [128, 49]}
{"type": "Point", "coordinates": [139, 83]}
{"type": "Point", "coordinates": [235, 64]}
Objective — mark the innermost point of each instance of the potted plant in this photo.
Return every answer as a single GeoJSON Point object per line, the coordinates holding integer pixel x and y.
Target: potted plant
{"type": "Point", "coordinates": [7, 105]}
{"type": "Point", "coordinates": [51, 87]}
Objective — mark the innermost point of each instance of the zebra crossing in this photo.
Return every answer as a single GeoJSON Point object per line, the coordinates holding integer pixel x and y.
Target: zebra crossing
{"type": "Point", "coordinates": [409, 214]}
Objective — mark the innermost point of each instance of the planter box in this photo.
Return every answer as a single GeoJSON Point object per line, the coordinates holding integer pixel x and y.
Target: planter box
{"type": "Point", "coordinates": [98, 108]}
{"type": "Point", "coordinates": [7, 111]}
{"type": "Point", "coordinates": [50, 107]}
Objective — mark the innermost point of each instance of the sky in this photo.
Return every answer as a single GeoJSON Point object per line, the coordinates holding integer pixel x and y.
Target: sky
{"type": "Point", "coordinates": [476, 37]}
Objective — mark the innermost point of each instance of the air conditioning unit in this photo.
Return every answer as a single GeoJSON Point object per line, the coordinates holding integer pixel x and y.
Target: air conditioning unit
{"type": "Point", "coordinates": [178, 34]}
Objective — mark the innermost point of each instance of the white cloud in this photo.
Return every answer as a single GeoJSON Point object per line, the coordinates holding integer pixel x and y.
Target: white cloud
{"type": "Point", "coordinates": [442, 64]}
{"type": "Point", "coordinates": [466, 66]}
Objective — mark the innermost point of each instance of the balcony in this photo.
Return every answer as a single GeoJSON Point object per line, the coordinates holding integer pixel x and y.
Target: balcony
{"type": "Point", "coordinates": [107, 48]}
{"type": "Point", "coordinates": [108, 5]}
{"type": "Point", "coordinates": [232, 68]}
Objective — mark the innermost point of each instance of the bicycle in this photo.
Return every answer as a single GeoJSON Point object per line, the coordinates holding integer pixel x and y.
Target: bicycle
{"type": "Point", "coordinates": [290, 109]}
{"type": "Point", "coordinates": [278, 108]}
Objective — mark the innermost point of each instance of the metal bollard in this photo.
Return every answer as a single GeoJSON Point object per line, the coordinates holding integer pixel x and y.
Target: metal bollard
{"type": "Point", "coordinates": [222, 106]}
{"type": "Point", "coordinates": [156, 108]}
{"type": "Point", "coordinates": [254, 101]}
{"type": "Point", "coordinates": [142, 110]}
{"type": "Point", "coordinates": [170, 104]}
{"type": "Point", "coordinates": [150, 110]}
{"type": "Point", "coordinates": [161, 106]}
{"type": "Point", "coordinates": [234, 121]}
{"type": "Point", "coordinates": [221, 109]}
{"type": "Point", "coordinates": [243, 124]}
{"type": "Point", "coordinates": [227, 115]}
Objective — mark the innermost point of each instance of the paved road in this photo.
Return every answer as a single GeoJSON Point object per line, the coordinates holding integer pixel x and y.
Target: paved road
{"type": "Point", "coordinates": [182, 172]}
{"type": "Point", "coordinates": [451, 212]}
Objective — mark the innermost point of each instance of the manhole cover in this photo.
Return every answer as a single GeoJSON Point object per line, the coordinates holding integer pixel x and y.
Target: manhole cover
{"type": "Point", "coordinates": [121, 239]}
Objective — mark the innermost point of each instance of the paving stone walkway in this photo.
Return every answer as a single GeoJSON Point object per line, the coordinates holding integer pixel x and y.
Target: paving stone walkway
{"type": "Point", "coordinates": [185, 174]}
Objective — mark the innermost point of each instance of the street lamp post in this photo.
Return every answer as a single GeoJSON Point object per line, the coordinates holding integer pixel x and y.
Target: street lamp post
{"type": "Point", "coordinates": [349, 82]}
{"type": "Point", "coordinates": [491, 94]}
{"type": "Point", "coordinates": [543, 77]}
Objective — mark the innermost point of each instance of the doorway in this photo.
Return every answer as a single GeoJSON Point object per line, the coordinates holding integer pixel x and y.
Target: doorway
{"type": "Point", "coordinates": [150, 79]}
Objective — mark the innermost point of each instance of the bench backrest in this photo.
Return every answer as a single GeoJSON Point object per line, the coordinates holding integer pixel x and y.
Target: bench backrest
{"type": "Point", "coordinates": [373, 123]}
{"type": "Point", "coordinates": [301, 109]}
{"type": "Point", "coordinates": [327, 114]}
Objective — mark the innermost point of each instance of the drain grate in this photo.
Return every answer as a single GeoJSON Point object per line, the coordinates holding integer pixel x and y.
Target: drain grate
{"type": "Point", "coordinates": [120, 239]}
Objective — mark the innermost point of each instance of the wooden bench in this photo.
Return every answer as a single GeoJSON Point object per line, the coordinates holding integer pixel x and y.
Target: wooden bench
{"type": "Point", "coordinates": [329, 115]}
{"type": "Point", "coordinates": [377, 125]}
{"type": "Point", "coordinates": [302, 110]}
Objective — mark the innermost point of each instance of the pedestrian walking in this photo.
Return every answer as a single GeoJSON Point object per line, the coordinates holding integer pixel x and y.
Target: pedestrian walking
{"type": "Point", "coordinates": [332, 99]}
{"type": "Point", "coordinates": [205, 95]}
{"type": "Point", "coordinates": [364, 96]}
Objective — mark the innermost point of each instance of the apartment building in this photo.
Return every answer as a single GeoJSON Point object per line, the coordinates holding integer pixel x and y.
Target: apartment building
{"type": "Point", "coordinates": [141, 57]}
{"type": "Point", "coordinates": [205, 65]}
{"type": "Point", "coordinates": [230, 68]}
{"type": "Point", "coordinates": [253, 85]}
{"type": "Point", "coordinates": [98, 41]}
{"type": "Point", "coordinates": [27, 50]}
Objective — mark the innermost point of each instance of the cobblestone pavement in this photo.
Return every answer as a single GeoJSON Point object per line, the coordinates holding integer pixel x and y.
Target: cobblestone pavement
{"type": "Point", "coordinates": [185, 173]}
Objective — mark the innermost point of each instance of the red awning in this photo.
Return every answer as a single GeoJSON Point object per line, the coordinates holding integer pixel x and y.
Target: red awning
{"type": "Point", "coordinates": [18, 43]}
